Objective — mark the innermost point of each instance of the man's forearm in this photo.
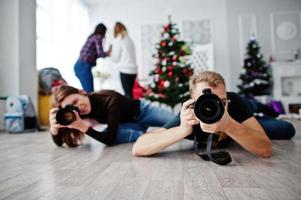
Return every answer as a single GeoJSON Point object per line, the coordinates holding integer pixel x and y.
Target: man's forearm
{"type": "Point", "coordinates": [154, 142]}
{"type": "Point", "coordinates": [252, 140]}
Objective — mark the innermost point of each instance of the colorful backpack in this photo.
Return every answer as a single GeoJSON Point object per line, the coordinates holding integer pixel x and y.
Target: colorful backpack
{"type": "Point", "coordinates": [20, 115]}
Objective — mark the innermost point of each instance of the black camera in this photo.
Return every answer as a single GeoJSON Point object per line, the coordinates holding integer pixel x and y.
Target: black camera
{"type": "Point", "coordinates": [66, 116]}
{"type": "Point", "coordinates": [208, 107]}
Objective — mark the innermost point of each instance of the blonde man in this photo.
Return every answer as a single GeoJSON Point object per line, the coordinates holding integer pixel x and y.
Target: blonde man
{"type": "Point", "coordinates": [237, 123]}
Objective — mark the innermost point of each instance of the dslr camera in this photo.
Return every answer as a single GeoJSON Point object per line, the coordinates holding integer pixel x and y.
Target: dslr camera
{"type": "Point", "coordinates": [66, 115]}
{"type": "Point", "coordinates": [208, 107]}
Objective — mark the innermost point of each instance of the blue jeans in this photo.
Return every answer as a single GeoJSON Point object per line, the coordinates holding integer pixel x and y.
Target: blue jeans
{"type": "Point", "coordinates": [149, 116]}
{"type": "Point", "coordinates": [274, 128]}
{"type": "Point", "coordinates": [277, 129]}
{"type": "Point", "coordinates": [84, 74]}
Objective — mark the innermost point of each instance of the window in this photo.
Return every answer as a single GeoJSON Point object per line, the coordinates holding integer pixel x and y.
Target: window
{"type": "Point", "coordinates": [62, 28]}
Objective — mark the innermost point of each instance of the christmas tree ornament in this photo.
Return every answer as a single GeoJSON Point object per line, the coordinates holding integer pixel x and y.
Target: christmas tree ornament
{"type": "Point", "coordinates": [175, 58]}
{"type": "Point", "coordinates": [170, 68]}
{"type": "Point", "coordinates": [166, 84]}
{"type": "Point", "coordinates": [170, 85]}
{"type": "Point", "coordinates": [163, 43]}
{"type": "Point", "coordinates": [255, 77]}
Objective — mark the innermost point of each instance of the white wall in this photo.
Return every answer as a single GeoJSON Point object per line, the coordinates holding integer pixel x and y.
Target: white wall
{"type": "Point", "coordinates": [9, 17]}
{"type": "Point", "coordinates": [262, 9]}
{"type": "Point", "coordinates": [18, 74]}
{"type": "Point", "coordinates": [223, 14]}
{"type": "Point", "coordinates": [134, 13]}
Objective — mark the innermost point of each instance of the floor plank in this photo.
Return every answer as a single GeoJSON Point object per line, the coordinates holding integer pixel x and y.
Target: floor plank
{"type": "Point", "coordinates": [32, 167]}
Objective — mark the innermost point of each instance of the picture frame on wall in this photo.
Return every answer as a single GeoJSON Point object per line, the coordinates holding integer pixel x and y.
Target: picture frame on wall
{"type": "Point", "coordinates": [197, 32]}
{"type": "Point", "coordinates": [286, 35]}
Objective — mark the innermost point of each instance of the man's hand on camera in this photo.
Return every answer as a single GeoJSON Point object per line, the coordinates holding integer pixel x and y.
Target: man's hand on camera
{"type": "Point", "coordinates": [219, 126]}
{"type": "Point", "coordinates": [188, 118]}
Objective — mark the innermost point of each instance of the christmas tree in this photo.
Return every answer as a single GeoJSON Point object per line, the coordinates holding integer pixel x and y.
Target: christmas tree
{"type": "Point", "coordinates": [170, 78]}
{"type": "Point", "coordinates": [256, 75]}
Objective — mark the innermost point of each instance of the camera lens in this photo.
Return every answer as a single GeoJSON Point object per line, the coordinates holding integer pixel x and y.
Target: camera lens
{"type": "Point", "coordinates": [209, 108]}
{"type": "Point", "coordinates": [66, 116]}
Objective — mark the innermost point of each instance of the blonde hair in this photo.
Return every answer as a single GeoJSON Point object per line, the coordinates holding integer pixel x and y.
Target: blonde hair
{"type": "Point", "coordinates": [212, 78]}
{"type": "Point", "coordinates": [120, 29]}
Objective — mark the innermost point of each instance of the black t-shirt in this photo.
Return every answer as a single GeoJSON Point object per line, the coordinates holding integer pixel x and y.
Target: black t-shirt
{"type": "Point", "coordinates": [238, 109]}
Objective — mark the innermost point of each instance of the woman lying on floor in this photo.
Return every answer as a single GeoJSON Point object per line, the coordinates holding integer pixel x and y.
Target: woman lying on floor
{"type": "Point", "coordinates": [126, 119]}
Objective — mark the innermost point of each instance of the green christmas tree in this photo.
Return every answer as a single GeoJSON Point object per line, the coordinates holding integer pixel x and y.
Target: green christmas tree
{"type": "Point", "coordinates": [170, 78]}
{"type": "Point", "coordinates": [256, 74]}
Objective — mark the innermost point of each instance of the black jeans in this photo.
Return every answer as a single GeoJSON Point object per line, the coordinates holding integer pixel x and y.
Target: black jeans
{"type": "Point", "coordinates": [128, 81]}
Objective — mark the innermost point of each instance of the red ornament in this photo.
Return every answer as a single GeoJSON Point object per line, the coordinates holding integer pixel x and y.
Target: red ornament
{"type": "Point", "coordinates": [175, 58]}
{"type": "Point", "coordinates": [166, 27]}
{"type": "Point", "coordinates": [163, 44]}
{"type": "Point", "coordinates": [160, 85]}
{"type": "Point", "coordinates": [170, 68]}
{"type": "Point", "coordinates": [173, 38]}
{"type": "Point", "coordinates": [158, 70]}
{"type": "Point", "coordinates": [170, 74]}
{"type": "Point", "coordinates": [165, 60]}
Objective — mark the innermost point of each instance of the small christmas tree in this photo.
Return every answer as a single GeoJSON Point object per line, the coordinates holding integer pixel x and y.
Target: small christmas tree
{"type": "Point", "coordinates": [172, 71]}
{"type": "Point", "coordinates": [256, 76]}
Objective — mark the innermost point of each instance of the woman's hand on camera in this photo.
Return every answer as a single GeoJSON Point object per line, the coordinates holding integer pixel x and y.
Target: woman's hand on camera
{"type": "Point", "coordinates": [54, 126]}
{"type": "Point", "coordinates": [78, 124]}
{"type": "Point", "coordinates": [188, 118]}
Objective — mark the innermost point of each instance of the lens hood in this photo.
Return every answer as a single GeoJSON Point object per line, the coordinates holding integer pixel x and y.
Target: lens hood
{"type": "Point", "coordinates": [209, 108]}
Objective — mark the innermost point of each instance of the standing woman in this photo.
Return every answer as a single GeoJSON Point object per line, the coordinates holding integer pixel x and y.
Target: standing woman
{"type": "Point", "coordinates": [92, 49]}
{"type": "Point", "coordinates": [123, 52]}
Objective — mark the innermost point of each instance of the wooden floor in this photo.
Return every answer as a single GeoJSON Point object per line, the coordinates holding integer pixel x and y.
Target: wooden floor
{"type": "Point", "coordinates": [32, 167]}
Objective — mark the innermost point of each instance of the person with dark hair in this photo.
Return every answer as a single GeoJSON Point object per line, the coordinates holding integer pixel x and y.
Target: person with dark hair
{"type": "Point", "coordinates": [126, 118]}
{"type": "Point", "coordinates": [123, 52]}
{"type": "Point", "coordinates": [92, 49]}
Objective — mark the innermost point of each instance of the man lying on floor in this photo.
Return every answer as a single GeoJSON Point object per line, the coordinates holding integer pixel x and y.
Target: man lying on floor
{"type": "Point", "coordinates": [237, 123]}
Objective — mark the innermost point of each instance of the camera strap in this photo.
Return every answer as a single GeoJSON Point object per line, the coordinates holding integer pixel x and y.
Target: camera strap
{"type": "Point", "coordinates": [220, 158]}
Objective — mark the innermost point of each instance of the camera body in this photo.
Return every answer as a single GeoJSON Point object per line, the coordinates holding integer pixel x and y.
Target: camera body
{"type": "Point", "coordinates": [208, 107]}
{"type": "Point", "coordinates": [66, 115]}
